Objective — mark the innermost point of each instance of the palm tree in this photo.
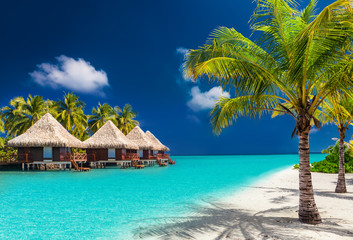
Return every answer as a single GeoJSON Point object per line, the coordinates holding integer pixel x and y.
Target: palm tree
{"type": "Point", "coordinates": [21, 114]}
{"type": "Point", "coordinates": [11, 114]}
{"type": "Point", "coordinates": [2, 130]}
{"type": "Point", "coordinates": [338, 109]}
{"type": "Point", "coordinates": [100, 116]}
{"type": "Point", "coordinates": [50, 107]}
{"type": "Point", "coordinates": [125, 118]}
{"type": "Point", "coordinates": [70, 114]}
{"type": "Point", "coordinates": [296, 62]}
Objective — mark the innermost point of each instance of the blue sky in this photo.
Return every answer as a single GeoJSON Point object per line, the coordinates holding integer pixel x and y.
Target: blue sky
{"type": "Point", "coordinates": [130, 52]}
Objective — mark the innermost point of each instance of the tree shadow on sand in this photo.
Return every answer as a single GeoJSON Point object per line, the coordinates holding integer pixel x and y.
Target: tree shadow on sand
{"type": "Point", "coordinates": [232, 223]}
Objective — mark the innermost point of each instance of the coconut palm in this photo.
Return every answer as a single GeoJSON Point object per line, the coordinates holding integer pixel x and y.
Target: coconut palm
{"type": "Point", "coordinates": [125, 118]}
{"type": "Point", "coordinates": [338, 109]}
{"type": "Point", "coordinates": [70, 114]}
{"type": "Point", "coordinates": [2, 130]}
{"type": "Point", "coordinates": [100, 116]}
{"type": "Point", "coordinates": [21, 114]}
{"type": "Point", "coordinates": [50, 107]}
{"type": "Point", "coordinates": [11, 114]}
{"type": "Point", "coordinates": [295, 63]}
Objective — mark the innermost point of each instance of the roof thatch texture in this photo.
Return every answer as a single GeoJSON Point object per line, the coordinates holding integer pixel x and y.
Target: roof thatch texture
{"type": "Point", "coordinates": [138, 137]}
{"type": "Point", "coordinates": [157, 143]}
{"type": "Point", "coordinates": [109, 136]}
{"type": "Point", "coordinates": [46, 132]}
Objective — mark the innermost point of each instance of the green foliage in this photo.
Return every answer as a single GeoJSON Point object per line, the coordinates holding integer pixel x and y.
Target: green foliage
{"type": "Point", "coordinates": [126, 118]}
{"type": "Point", "coordinates": [100, 115]}
{"type": "Point", "coordinates": [2, 130]}
{"type": "Point", "coordinates": [7, 153]}
{"type": "Point", "coordinates": [70, 114]}
{"type": "Point", "coordinates": [22, 113]}
{"type": "Point", "coordinates": [331, 162]}
{"type": "Point", "coordinates": [298, 59]}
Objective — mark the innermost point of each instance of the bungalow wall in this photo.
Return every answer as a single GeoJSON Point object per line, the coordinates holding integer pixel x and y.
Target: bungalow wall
{"type": "Point", "coordinates": [100, 154]}
{"type": "Point", "coordinates": [37, 153]}
{"type": "Point", "coordinates": [131, 151]}
{"type": "Point", "coordinates": [146, 154]}
{"type": "Point", "coordinates": [120, 154]}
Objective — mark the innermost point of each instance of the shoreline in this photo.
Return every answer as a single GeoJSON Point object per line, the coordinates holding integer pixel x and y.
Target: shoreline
{"type": "Point", "coordinates": [267, 209]}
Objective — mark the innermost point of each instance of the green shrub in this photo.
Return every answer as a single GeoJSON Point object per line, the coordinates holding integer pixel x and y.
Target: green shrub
{"type": "Point", "coordinates": [331, 162]}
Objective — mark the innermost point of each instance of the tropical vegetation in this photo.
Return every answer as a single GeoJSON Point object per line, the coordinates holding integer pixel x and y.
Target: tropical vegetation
{"type": "Point", "coordinates": [2, 130]}
{"type": "Point", "coordinates": [298, 59]}
{"type": "Point", "coordinates": [126, 118]}
{"type": "Point", "coordinates": [331, 162]}
{"type": "Point", "coordinates": [338, 109]}
{"type": "Point", "coordinates": [20, 114]}
{"type": "Point", "coordinates": [100, 115]}
{"type": "Point", "coordinates": [69, 112]}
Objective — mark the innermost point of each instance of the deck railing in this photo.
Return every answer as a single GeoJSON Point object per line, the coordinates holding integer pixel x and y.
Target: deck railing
{"type": "Point", "coordinates": [162, 156]}
{"type": "Point", "coordinates": [76, 157]}
{"type": "Point", "coordinates": [152, 157]}
{"type": "Point", "coordinates": [132, 156]}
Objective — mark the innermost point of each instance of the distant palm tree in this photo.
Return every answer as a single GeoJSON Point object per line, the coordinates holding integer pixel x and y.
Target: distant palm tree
{"type": "Point", "coordinates": [2, 130]}
{"type": "Point", "coordinates": [100, 116]}
{"type": "Point", "coordinates": [22, 114]}
{"type": "Point", "coordinates": [297, 62]}
{"type": "Point", "coordinates": [11, 114]}
{"type": "Point", "coordinates": [70, 114]}
{"type": "Point", "coordinates": [125, 118]}
{"type": "Point", "coordinates": [338, 109]}
{"type": "Point", "coordinates": [50, 107]}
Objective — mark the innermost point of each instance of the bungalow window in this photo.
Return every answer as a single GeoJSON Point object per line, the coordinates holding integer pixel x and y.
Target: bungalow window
{"type": "Point", "coordinates": [111, 153]}
{"type": "Point", "coordinates": [48, 153]}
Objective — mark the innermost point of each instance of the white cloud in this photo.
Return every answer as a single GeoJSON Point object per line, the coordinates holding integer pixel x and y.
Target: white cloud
{"type": "Point", "coordinates": [183, 51]}
{"type": "Point", "coordinates": [314, 130]}
{"type": "Point", "coordinates": [76, 75]}
{"type": "Point", "coordinates": [205, 100]}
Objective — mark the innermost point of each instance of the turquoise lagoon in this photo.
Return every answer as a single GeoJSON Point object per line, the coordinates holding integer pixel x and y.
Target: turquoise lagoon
{"type": "Point", "coordinates": [117, 204]}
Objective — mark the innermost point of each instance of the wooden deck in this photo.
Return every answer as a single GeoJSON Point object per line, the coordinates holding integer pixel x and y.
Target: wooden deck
{"type": "Point", "coordinates": [78, 161]}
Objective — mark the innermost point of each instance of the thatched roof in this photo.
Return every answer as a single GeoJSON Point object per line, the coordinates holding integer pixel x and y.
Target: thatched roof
{"type": "Point", "coordinates": [46, 132]}
{"type": "Point", "coordinates": [138, 137]}
{"type": "Point", "coordinates": [109, 136]}
{"type": "Point", "coordinates": [157, 143]}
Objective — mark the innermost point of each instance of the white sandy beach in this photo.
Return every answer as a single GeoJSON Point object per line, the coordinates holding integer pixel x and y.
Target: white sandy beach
{"type": "Point", "coordinates": [268, 210]}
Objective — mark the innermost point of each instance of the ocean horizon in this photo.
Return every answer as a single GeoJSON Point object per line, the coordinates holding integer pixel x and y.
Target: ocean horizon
{"type": "Point", "coordinates": [124, 203]}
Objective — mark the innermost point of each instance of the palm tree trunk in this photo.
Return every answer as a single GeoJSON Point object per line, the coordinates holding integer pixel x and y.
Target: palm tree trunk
{"type": "Point", "coordinates": [341, 182]}
{"type": "Point", "coordinates": [308, 212]}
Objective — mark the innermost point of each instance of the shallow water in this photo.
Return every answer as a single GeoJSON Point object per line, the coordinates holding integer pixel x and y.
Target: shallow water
{"type": "Point", "coordinates": [114, 203]}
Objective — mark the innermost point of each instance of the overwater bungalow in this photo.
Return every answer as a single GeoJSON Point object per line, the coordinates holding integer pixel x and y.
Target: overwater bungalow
{"type": "Point", "coordinates": [143, 142]}
{"type": "Point", "coordinates": [158, 146]}
{"type": "Point", "coordinates": [47, 142]}
{"type": "Point", "coordinates": [160, 149]}
{"type": "Point", "coordinates": [110, 145]}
